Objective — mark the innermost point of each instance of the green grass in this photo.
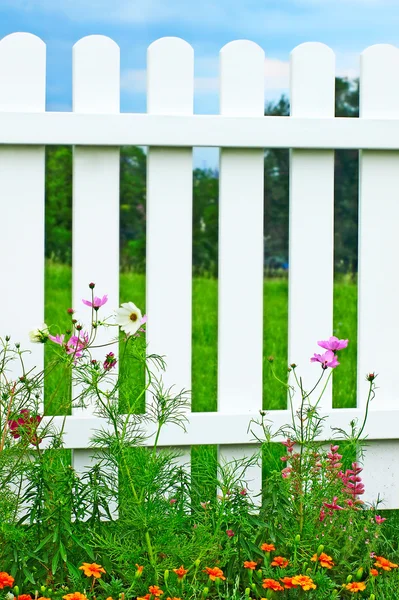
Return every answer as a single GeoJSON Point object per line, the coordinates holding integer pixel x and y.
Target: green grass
{"type": "Point", "coordinates": [204, 361]}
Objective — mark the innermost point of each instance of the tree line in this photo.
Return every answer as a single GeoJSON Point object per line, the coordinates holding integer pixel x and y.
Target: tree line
{"type": "Point", "coordinates": [205, 201]}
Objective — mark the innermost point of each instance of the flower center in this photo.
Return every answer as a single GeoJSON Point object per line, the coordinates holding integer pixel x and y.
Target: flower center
{"type": "Point", "coordinates": [133, 317]}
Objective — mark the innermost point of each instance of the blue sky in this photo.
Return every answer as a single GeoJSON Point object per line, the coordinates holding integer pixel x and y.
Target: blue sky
{"type": "Point", "coordinates": [347, 26]}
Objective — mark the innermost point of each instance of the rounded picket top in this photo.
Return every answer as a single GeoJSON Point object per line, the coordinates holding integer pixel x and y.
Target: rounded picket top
{"type": "Point", "coordinates": [242, 79]}
{"type": "Point", "coordinates": [96, 75]}
{"type": "Point", "coordinates": [22, 73]}
{"type": "Point", "coordinates": [312, 80]}
{"type": "Point", "coordinates": [379, 81]}
{"type": "Point", "coordinates": [170, 77]}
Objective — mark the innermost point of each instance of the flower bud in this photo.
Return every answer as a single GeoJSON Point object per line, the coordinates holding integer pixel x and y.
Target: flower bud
{"type": "Point", "coordinates": [205, 592]}
{"type": "Point", "coordinates": [166, 576]}
{"type": "Point", "coordinates": [70, 311]}
{"type": "Point", "coordinates": [297, 538]}
{"type": "Point", "coordinates": [372, 597]}
{"type": "Point", "coordinates": [16, 590]}
{"type": "Point", "coordinates": [349, 579]}
{"type": "Point", "coordinates": [359, 574]}
{"type": "Point", "coordinates": [17, 345]}
{"type": "Point", "coordinates": [43, 589]}
{"type": "Point", "coordinates": [293, 366]}
{"type": "Point", "coordinates": [247, 592]}
{"type": "Point", "coordinates": [7, 338]}
{"type": "Point", "coordinates": [270, 359]}
{"type": "Point", "coordinates": [259, 573]}
{"type": "Point", "coordinates": [320, 549]}
{"type": "Point", "coordinates": [92, 286]}
{"type": "Point", "coordinates": [253, 586]}
{"type": "Point", "coordinates": [371, 376]}
{"type": "Point", "coordinates": [197, 562]}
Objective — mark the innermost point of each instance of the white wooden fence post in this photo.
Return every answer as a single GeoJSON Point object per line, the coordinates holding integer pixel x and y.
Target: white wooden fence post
{"type": "Point", "coordinates": [22, 89]}
{"type": "Point", "coordinates": [240, 336]}
{"type": "Point", "coordinates": [311, 249]}
{"type": "Point", "coordinates": [96, 89]}
{"type": "Point", "coordinates": [170, 89]}
{"type": "Point", "coordinates": [378, 317]}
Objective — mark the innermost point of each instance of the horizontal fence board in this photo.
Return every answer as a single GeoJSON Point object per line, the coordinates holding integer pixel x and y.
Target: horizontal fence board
{"type": "Point", "coordinates": [231, 429]}
{"type": "Point", "coordinates": [198, 130]}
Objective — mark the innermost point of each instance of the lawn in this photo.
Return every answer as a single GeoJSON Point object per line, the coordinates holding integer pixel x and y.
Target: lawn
{"type": "Point", "coordinates": [204, 360]}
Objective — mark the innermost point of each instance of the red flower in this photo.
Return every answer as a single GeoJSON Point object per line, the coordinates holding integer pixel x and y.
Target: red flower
{"type": "Point", "coordinates": [5, 580]}
{"type": "Point", "coordinates": [25, 425]}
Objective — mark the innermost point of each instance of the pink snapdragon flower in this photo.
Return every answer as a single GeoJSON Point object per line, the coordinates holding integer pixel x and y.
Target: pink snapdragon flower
{"type": "Point", "coordinates": [333, 505]}
{"type": "Point", "coordinates": [328, 359]}
{"type": "Point", "coordinates": [333, 344]}
{"type": "Point", "coordinates": [97, 302]}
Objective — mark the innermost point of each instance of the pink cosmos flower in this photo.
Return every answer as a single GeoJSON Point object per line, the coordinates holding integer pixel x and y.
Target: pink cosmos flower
{"type": "Point", "coordinates": [76, 344]}
{"type": "Point", "coordinates": [97, 302]}
{"type": "Point", "coordinates": [57, 339]}
{"type": "Point", "coordinates": [379, 519]}
{"type": "Point", "coordinates": [328, 359]}
{"type": "Point", "coordinates": [333, 344]}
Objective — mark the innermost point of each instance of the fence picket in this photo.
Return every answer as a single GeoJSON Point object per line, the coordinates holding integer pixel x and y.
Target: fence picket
{"type": "Point", "coordinates": [22, 89]}
{"type": "Point", "coordinates": [240, 338]}
{"type": "Point", "coordinates": [170, 90]}
{"type": "Point", "coordinates": [378, 322]}
{"type": "Point", "coordinates": [95, 199]}
{"type": "Point", "coordinates": [311, 248]}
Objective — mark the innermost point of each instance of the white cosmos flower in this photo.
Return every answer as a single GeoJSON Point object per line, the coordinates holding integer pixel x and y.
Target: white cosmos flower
{"type": "Point", "coordinates": [39, 336]}
{"type": "Point", "coordinates": [129, 318]}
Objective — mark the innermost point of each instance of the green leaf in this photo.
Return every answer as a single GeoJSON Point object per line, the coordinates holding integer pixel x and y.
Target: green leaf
{"type": "Point", "coordinates": [62, 551]}
{"type": "Point", "coordinates": [28, 575]}
{"type": "Point", "coordinates": [54, 562]}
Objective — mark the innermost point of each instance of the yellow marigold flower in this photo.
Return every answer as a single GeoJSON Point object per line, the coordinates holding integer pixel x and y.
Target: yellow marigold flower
{"type": "Point", "coordinates": [324, 560]}
{"type": "Point", "coordinates": [74, 596]}
{"type": "Point", "coordinates": [384, 563]}
{"type": "Point", "coordinates": [303, 581]}
{"type": "Point", "coordinates": [279, 561]}
{"type": "Point", "coordinates": [267, 547]}
{"type": "Point", "coordinates": [92, 570]}
{"type": "Point", "coordinates": [250, 564]}
{"type": "Point", "coordinates": [355, 586]}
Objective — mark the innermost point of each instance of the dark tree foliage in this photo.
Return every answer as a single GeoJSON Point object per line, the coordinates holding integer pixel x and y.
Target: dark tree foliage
{"type": "Point", "coordinates": [205, 201]}
{"type": "Point", "coordinates": [346, 188]}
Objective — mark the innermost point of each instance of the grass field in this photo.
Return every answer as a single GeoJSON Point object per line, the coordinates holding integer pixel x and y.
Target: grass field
{"type": "Point", "coordinates": [204, 361]}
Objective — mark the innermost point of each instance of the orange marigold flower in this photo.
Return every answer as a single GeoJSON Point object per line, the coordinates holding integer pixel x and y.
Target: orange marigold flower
{"type": "Point", "coordinates": [267, 547]}
{"type": "Point", "coordinates": [5, 580]}
{"type": "Point", "coordinates": [24, 597]}
{"type": "Point", "coordinates": [279, 561]}
{"type": "Point", "coordinates": [324, 560]}
{"type": "Point", "coordinates": [75, 596]}
{"type": "Point", "coordinates": [214, 573]}
{"type": "Point", "coordinates": [180, 572]}
{"type": "Point", "coordinates": [44, 598]}
{"type": "Point", "coordinates": [355, 586]}
{"type": "Point", "coordinates": [250, 564]}
{"type": "Point", "coordinates": [384, 563]}
{"type": "Point", "coordinates": [146, 597]}
{"type": "Point", "coordinates": [155, 591]}
{"type": "Point", "coordinates": [173, 598]}
{"type": "Point", "coordinates": [374, 572]}
{"type": "Point", "coordinates": [287, 581]}
{"type": "Point", "coordinates": [272, 584]}
{"type": "Point", "coordinates": [109, 598]}
{"type": "Point", "coordinates": [305, 582]}
{"type": "Point", "coordinates": [92, 570]}
{"type": "Point", "coordinates": [139, 568]}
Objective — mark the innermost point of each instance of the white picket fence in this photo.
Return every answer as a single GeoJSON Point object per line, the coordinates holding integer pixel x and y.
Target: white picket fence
{"type": "Point", "coordinates": [96, 128]}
